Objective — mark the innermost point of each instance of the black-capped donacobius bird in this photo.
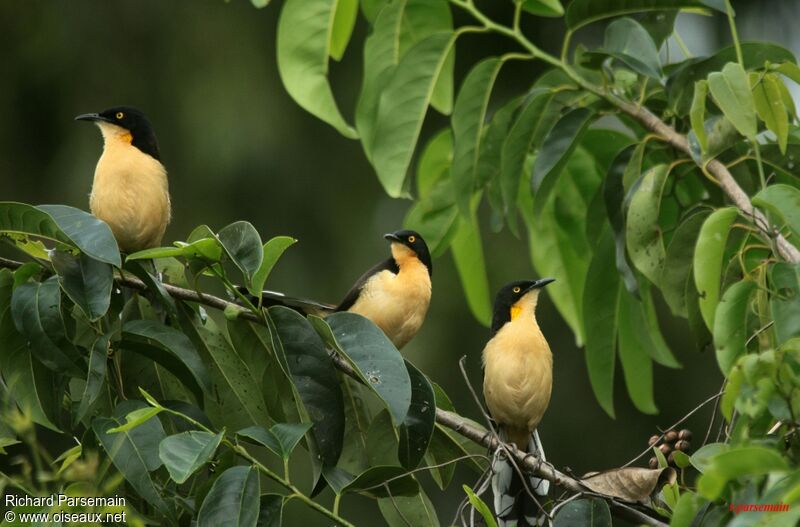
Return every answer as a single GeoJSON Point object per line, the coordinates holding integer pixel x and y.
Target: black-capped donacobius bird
{"type": "Point", "coordinates": [394, 294]}
{"type": "Point", "coordinates": [517, 382]}
{"type": "Point", "coordinates": [130, 190]}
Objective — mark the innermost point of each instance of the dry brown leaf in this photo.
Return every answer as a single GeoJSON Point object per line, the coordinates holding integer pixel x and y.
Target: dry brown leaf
{"type": "Point", "coordinates": [632, 484]}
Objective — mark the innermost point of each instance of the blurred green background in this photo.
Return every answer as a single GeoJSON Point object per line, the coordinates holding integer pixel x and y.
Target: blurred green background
{"type": "Point", "coordinates": [238, 148]}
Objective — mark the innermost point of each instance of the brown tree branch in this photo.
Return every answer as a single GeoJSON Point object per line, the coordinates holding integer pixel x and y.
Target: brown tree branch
{"type": "Point", "coordinates": [527, 462]}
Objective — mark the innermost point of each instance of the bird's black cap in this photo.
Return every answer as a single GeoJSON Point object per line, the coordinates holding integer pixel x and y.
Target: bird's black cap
{"type": "Point", "coordinates": [508, 295]}
{"type": "Point", "coordinates": [132, 120]}
{"type": "Point", "coordinates": [416, 243]}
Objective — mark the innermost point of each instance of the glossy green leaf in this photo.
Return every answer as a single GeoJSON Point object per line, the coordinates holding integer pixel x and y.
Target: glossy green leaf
{"type": "Point", "coordinates": [730, 324]}
{"type": "Point", "coordinates": [480, 506]}
{"type": "Point", "coordinates": [549, 8]}
{"type": "Point", "coordinates": [409, 511]}
{"type": "Point", "coordinates": [96, 376]}
{"type": "Point", "coordinates": [271, 514]}
{"type": "Point", "coordinates": [697, 113]}
{"type": "Point", "coordinates": [29, 383]}
{"type": "Point", "coordinates": [417, 428]}
{"type": "Point", "coordinates": [303, 48]}
{"type": "Point", "coordinates": [375, 480]}
{"type": "Point", "coordinates": [434, 162]}
{"type": "Point", "coordinates": [135, 419]}
{"type": "Point", "coordinates": [281, 438]}
{"type": "Point", "coordinates": [556, 150]}
{"type": "Point", "coordinates": [134, 452]}
{"type": "Point", "coordinates": [22, 219]}
{"type": "Point", "coordinates": [86, 281]}
{"type": "Point", "coordinates": [628, 41]}
{"type": "Point", "coordinates": [731, 91]}
{"type": "Point", "coordinates": [643, 233]}
{"type": "Point", "coordinates": [233, 499]}
{"type": "Point", "coordinates": [701, 459]}
{"type": "Point", "coordinates": [373, 356]}
{"type": "Point", "coordinates": [627, 160]}
{"type": "Point", "coordinates": [600, 308]}
{"type": "Point", "coordinates": [686, 509]}
{"type": "Point", "coordinates": [272, 250]}
{"type": "Point", "coordinates": [737, 462]}
{"type": "Point", "coordinates": [92, 236]}
{"type": "Point", "coordinates": [489, 158]}
{"type": "Point", "coordinates": [678, 263]}
{"type": "Point", "coordinates": [469, 122]}
{"type": "Point", "coordinates": [769, 106]}
{"type": "Point", "coordinates": [582, 12]}
{"type": "Point", "coordinates": [242, 244]}
{"type": "Point", "coordinates": [785, 301]}
{"type": "Point", "coordinates": [707, 264]}
{"type": "Point", "coordinates": [652, 338]}
{"type": "Point", "coordinates": [468, 256]}
{"type": "Point", "coordinates": [186, 452]}
{"type": "Point", "coordinates": [436, 218]}
{"type": "Point", "coordinates": [783, 201]}
{"type": "Point", "coordinates": [315, 378]}
{"type": "Point", "coordinates": [173, 350]}
{"type": "Point", "coordinates": [344, 20]}
{"type": "Point", "coordinates": [36, 310]}
{"type": "Point", "coordinates": [402, 109]}
{"type": "Point", "coordinates": [632, 344]}
{"type": "Point", "coordinates": [584, 512]}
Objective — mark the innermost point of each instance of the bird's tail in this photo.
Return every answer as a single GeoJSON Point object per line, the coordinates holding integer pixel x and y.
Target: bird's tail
{"type": "Point", "coordinates": [513, 503]}
{"type": "Point", "coordinates": [303, 306]}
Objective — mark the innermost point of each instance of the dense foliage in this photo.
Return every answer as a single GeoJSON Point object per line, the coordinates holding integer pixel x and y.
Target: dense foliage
{"type": "Point", "coordinates": [631, 178]}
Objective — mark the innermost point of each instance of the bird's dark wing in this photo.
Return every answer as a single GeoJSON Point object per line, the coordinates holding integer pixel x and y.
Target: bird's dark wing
{"type": "Point", "coordinates": [350, 298]}
{"type": "Point", "coordinates": [301, 305]}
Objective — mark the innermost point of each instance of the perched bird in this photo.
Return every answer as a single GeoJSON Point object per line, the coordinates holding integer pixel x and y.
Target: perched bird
{"type": "Point", "coordinates": [518, 379]}
{"type": "Point", "coordinates": [393, 294]}
{"type": "Point", "coordinates": [130, 190]}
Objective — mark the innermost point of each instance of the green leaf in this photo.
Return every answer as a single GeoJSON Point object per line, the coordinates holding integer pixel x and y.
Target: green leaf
{"type": "Point", "coordinates": [136, 418]}
{"type": "Point", "coordinates": [731, 91]}
{"type": "Point", "coordinates": [343, 22]}
{"type": "Point", "coordinates": [186, 452]}
{"type": "Point", "coordinates": [678, 262]}
{"type": "Point", "coordinates": [769, 106]}
{"type": "Point", "coordinates": [92, 236]}
{"type": "Point", "coordinates": [434, 162]}
{"type": "Point", "coordinates": [697, 113]}
{"type": "Point", "coordinates": [409, 511]}
{"type": "Point", "coordinates": [243, 246]}
{"type": "Point", "coordinates": [479, 505]}
{"type": "Point", "coordinates": [86, 281]}
{"type": "Point", "coordinates": [707, 264]}
{"type": "Point", "coordinates": [96, 376]}
{"type": "Point", "coordinates": [375, 359]}
{"type": "Point", "coordinates": [233, 499]}
{"type": "Point", "coordinates": [375, 480]}
{"type": "Point", "coordinates": [28, 382]}
{"type": "Point", "coordinates": [754, 54]}
{"type": "Point", "coordinates": [181, 357]}
{"type": "Point", "coordinates": [687, 507]}
{"type": "Point", "coordinates": [417, 428]}
{"type": "Point", "coordinates": [785, 301]}
{"type": "Point", "coordinates": [584, 512]}
{"type": "Point", "coordinates": [783, 201]}
{"type": "Point", "coordinates": [468, 256]}
{"type": "Point", "coordinates": [281, 438]}
{"type": "Point", "coordinates": [469, 122]}
{"type": "Point", "coordinates": [735, 463]}
{"type": "Point", "coordinates": [582, 12]}
{"type": "Point", "coordinates": [628, 41]}
{"type": "Point", "coordinates": [549, 8]}
{"type": "Point", "coordinates": [259, 4]}
{"type": "Point", "coordinates": [633, 342]}
{"type": "Point", "coordinates": [36, 309]}
{"type": "Point", "coordinates": [271, 514]}
{"type": "Point", "coordinates": [701, 460]}
{"type": "Point", "coordinates": [402, 109]}
{"type": "Point", "coordinates": [303, 48]}
{"type": "Point", "coordinates": [134, 452]}
{"type": "Point", "coordinates": [272, 251]}
{"type": "Point", "coordinates": [315, 378]}
{"type": "Point", "coordinates": [643, 233]}
{"type": "Point", "coordinates": [730, 324]}
{"type": "Point", "coordinates": [600, 308]}
{"type": "Point", "coordinates": [556, 150]}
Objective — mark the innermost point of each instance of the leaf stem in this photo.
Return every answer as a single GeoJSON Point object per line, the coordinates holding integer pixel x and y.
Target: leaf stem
{"type": "Point", "coordinates": [734, 33]}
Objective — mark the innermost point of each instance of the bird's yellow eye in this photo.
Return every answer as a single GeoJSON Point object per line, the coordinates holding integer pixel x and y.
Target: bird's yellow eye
{"type": "Point", "coordinates": [120, 115]}
{"type": "Point", "coordinates": [412, 239]}
{"type": "Point", "coordinates": [516, 289]}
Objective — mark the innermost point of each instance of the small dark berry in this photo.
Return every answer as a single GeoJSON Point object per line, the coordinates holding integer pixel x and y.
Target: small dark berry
{"type": "Point", "coordinates": [671, 436]}
{"type": "Point", "coordinates": [682, 445]}
{"type": "Point", "coordinates": [671, 458]}
{"type": "Point", "coordinates": [685, 434]}
{"type": "Point", "coordinates": [653, 462]}
{"type": "Point", "coordinates": [665, 449]}
{"type": "Point", "coordinates": [653, 440]}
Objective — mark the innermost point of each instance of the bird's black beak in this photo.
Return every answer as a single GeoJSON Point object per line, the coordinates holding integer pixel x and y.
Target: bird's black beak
{"type": "Point", "coordinates": [538, 284]}
{"type": "Point", "coordinates": [92, 117]}
{"type": "Point", "coordinates": [393, 237]}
